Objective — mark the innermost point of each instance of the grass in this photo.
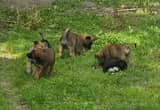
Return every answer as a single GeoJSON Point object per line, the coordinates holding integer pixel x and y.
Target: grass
{"type": "Point", "coordinates": [3, 102]}
{"type": "Point", "coordinates": [75, 85]}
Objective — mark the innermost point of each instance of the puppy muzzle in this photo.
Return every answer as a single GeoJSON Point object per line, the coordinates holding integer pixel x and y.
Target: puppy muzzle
{"type": "Point", "coordinates": [29, 55]}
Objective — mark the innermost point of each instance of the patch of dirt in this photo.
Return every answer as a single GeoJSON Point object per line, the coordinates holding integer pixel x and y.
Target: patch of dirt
{"type": "Point", "coordinates": [91, 7]}
{"type": "Point", "coordinates": [23, 4]}
{"type": "Point", "coordinates": [102, 10]}
{"type": "Point", "coordinates": [155, 11]}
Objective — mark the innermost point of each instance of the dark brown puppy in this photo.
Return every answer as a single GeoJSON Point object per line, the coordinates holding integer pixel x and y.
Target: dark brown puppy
{"type": "Point", "coordinates": [42, 44]}
{"type": "Point", "coordinates": [74, 42]}
{"type": "Point", "coordinates": [44, 60]}
{"type": "Point", "coordinates": [114, 51]}
{"type": "Point", "coordinates": [29, 66]}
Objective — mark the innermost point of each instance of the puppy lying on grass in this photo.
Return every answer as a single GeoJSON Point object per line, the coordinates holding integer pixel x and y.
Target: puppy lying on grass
{"type": "Point", "coordinates": [112, 57]}
{"type": "Point", "coordinates": [114, 65]}
{"type": "Point", "coordinates": [119, 51]}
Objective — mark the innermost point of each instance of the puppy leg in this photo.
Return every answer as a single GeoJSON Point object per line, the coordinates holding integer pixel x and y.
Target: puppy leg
{"type": "Point", "coordinates": [50, 70]}
{"type": "Point", "coordinates": [44, 70]}
{"type": "Point", "coordinates": [38, 73]}
{"type": "Point", "coordinates": [61, 49]}
{"type": "Point", "coordinates": [29, 66]}
{"type": "Point", "coordinates": [71, 51]}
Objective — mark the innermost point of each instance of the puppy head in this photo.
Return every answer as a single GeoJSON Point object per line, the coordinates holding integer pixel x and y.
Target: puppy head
{"type": "Point", "coordinates": [36, 51]}
{"type": "Point", "coordinates": [126, 50]}
{"type": "Point", "coordinates": [35, 54]}
{"type": "Point", "coordinates": [39, 45]}
{"type": "Point", "coordinates": [88, 41]}
{"type": "Point", "coordinates": [99, 55]}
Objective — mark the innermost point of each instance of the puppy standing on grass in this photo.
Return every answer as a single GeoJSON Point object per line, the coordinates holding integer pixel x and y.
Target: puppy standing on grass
{"type": "Point", "coordinates": [39, 45]}
{"type": "Point", "coordinates": [74, 42]}
{"type": "Point", "coordinates": [44, 60]}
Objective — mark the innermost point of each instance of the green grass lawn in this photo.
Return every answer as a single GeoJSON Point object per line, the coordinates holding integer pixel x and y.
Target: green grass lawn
{"type": "Point", "coordinates": [75, 85]}
{"type": "Point", "coordinates": [4, 105]}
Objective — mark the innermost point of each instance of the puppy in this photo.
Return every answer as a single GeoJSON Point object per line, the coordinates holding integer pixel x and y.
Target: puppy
{"type": "Point", "coordinates": [44, 60]}
{"type": "Point", "coordinates": [114, 65]}
{"type": "Point", "coordinates": [75, 43]}
{"type": "Point", "coordinates": [42, 44]}
{"type": "Point", "coordinates": [121, 52]}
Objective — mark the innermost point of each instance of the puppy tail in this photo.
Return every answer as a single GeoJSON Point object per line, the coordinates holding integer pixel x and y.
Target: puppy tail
{"type": "Point", "coordinates": [65, 34]}
{"type": "Point", "coordinates": [44, 40]}
{"type": "Point", "coordinates": [41, 34]}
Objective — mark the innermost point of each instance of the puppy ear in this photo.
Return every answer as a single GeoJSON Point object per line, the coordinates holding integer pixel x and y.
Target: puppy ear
{"type": "Point", "coordinates": [29, 55]}
{"type": "Point", "coordinates": [88, 38]}
{"type": "Point", "coordinates": [91, 38]}
{"type": "Point", "coordinates": [35, 42]}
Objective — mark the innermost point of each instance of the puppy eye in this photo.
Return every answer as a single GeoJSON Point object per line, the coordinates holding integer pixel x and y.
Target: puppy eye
{"type": "Point", "coordinates": [33, 51]}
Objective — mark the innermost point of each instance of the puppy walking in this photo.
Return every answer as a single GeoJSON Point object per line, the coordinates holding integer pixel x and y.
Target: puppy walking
{"type": "Point", "coordinates": [74, 43]}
